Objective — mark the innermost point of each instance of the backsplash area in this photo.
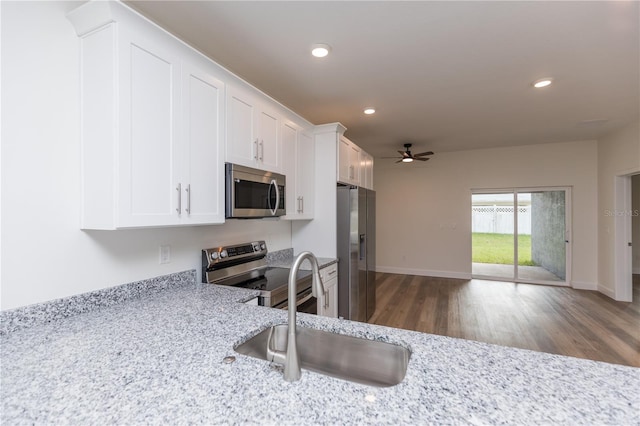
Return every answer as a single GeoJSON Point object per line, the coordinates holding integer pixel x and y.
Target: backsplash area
{"type": "Point", "coordinates": [279, 256]}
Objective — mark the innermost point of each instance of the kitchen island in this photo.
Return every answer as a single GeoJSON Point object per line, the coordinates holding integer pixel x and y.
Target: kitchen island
{"type": "Point", "coordinates": [159, 358]}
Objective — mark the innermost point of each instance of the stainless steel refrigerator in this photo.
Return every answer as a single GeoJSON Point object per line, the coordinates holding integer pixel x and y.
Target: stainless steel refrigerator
{"type": "Point", "coordinates": [356, 253]}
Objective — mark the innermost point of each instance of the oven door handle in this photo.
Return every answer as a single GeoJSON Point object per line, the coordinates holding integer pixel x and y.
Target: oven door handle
{"type": "Point", "coordinates": [304, 299]}
{"type": "Point", "coordinates": [275, 185]}
{"type": "Point", "coordinates": [299, 301]}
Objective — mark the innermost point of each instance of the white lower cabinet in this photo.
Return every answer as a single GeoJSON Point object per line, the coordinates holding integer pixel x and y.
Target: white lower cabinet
{"type": "Point", "coordinates": [152, 125]}
{"type": "Point", "coordinates": [328, 302]}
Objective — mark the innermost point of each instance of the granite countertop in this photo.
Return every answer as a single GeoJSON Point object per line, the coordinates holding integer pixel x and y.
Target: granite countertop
{"type": "Point", "coordinates": [159, 359]}
{"type": "Point", "coordinates": [285, 258]}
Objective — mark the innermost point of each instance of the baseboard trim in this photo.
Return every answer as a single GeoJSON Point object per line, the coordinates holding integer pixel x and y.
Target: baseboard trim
{"type": "Point", "coordinates": [582, 285]}
{"type": "Point", "coordinates": [606, 291]}
{"type": "Point", "coordinates": [423, 272]}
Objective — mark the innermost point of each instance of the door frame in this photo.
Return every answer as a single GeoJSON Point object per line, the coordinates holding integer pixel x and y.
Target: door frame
{"type": "Point", "coordinates": [622, 252]}
{"type": "Point", "coordinates": [568, 232]}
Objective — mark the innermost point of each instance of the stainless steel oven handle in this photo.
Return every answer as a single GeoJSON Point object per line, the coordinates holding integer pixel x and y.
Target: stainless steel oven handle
{"type": "Point", "coordinates": [304, 299]}
{"type": "Point", "coordinates": [299, 301]}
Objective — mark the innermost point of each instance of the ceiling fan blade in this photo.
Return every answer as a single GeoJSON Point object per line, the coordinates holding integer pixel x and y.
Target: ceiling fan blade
{"type": "Point", "coordinates": [389, 157]}
{"type": "Point", "coordinates": [399, 161]}
{"type": "Point", "coordinates": [420, 159]}
{"type": "Point", "coordinates": [423, 153]}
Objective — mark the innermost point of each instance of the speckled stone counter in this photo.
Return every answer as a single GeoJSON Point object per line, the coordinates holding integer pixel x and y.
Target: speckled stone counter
{"type": "Point", "coordinates": [158, 359]}
{"type": "Point", "coordinates": [285, 258]}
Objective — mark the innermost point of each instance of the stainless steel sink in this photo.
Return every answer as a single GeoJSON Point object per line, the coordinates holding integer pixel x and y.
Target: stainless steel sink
{"type": "Point", "coordinates": [350, 358]}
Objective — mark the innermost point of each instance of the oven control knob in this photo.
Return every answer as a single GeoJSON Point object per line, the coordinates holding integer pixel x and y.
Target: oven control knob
{"type": "Point", "coordinates": [214, 255]}
{"type": "Point", "coordinates": [263, 246]}
{"type": "Point", "coordinates": [223, 254]}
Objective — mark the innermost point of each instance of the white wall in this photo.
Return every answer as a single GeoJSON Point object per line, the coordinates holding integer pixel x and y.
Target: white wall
{"type": "Point", "coordinates": [635, 197]}
{"type": "Point", "coordinates": [424, 210]}
{"type": "Point", "coordinates": [44, 253]}
{"type": "Point", "coordinates": [618, 154]}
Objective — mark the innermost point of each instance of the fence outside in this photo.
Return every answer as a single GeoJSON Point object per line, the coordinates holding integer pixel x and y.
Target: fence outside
{"type": "Point", "coordinates": [499, 219]}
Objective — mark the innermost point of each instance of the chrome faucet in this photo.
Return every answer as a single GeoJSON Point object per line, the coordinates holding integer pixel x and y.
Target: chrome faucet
{"type": "Point", "coordinates": [290, 358]}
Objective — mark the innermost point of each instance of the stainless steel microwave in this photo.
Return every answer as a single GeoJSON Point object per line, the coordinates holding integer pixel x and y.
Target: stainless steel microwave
{"type": "Point", "coordinates": [253, 193]}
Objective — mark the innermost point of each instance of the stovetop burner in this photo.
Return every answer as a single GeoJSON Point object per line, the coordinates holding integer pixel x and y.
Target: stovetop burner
{"type": "Point", "coordinates": [271, 278]}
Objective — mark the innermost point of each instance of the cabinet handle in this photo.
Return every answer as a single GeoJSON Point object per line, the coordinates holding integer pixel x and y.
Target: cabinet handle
{"type": "Point", "coordinates": [188, 198]}
{"type": "Point", "coordinates": [179, 189]}
{"type": "Point", "coordinates": [255, 155]}
{"type": "Point", "coordinates": [262, 150]}
{"type": "Point", "coordinates": [326, 300]}
{"type": "Point", "coordinates": [302, 204]}
{"type": "Point", "coordinates": [299, 205]}
{"type": "Point", "coordinates": [332, 272]}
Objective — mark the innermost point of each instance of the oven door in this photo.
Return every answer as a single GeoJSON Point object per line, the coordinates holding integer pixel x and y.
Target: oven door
{"type": "Point", "coordinates": [305, 302]}
{"type": "Point", "coordinates": [253, 193]}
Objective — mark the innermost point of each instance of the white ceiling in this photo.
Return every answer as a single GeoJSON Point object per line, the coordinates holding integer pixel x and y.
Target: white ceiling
{"type": "Point", "coordinates": [445, 76]}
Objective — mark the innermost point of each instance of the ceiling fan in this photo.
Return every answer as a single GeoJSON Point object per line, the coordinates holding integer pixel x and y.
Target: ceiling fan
{"type": "Point", "coordinates": [408, 157]}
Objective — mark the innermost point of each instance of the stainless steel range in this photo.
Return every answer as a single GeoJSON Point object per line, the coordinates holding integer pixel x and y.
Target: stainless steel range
{"type": "Point", "coordinates": [245, 266]}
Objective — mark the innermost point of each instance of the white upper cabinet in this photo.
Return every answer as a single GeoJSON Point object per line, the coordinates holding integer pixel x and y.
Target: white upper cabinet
{"type": "Point", "coordinates": [299, 166]}
{"type": "Point", "coordinates": [348, 162]}
{"type": "Point", "coordinates": [366, 170]}
{"type": "Point", "coordinates": [203, 148]}
{"type": "Point", "coordinates": [253, 131]}
{"type": "Point", "coordinates": [152, 125]}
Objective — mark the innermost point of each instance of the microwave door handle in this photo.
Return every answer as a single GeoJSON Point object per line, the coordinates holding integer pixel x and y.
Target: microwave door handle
{"type": "Point", "coordinates": [275, 209]}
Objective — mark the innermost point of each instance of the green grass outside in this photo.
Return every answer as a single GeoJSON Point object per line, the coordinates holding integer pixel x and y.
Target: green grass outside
{"type": "Point", "coordinates": [498, 249]}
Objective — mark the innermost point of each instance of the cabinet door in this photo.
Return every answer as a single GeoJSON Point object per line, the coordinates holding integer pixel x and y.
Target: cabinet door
{"type": "Point", "coordinates": [328, 302]}
{"type": "Point", "coordinates": [203, 124]}
{"type": "Point", "coordinates": [242, 142]}
{"type": "Point", "coordinates": [332, 305]}
{"type": "Point", "coordinates": [290, 166]}
{"type": "Point", "coordinates": [354, 162]}
{"type": "Point", "coordinates": [366, 170]}
{"type": "Point", "coordinates": [305, 176]}
{"type": "Point", "coordinates": [344, 165]}
{"type": "Point", "coordinates": [369, 173]}
{"type": "Point", "coordinates": [269, 141]}
{"type": "Point", "coordinates": [148, 149]}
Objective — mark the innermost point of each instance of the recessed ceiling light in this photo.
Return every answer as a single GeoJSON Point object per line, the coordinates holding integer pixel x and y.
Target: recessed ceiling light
{"type": "Point", "coordinates": [320, 50]}
{"type": "Point", "coordinates": [369, 111]}
{"type": "Point", "coordinates": [543, 82]}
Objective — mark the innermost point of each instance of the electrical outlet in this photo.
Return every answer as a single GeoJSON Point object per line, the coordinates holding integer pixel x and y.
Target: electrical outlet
{"type": "Point", "coordinates": [165, 254]}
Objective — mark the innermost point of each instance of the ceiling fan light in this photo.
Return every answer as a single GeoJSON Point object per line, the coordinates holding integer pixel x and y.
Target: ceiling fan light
{"type": "Point", "coordinates": [543, 82]}
{"type": "Point", "coordinates": [407, 160]}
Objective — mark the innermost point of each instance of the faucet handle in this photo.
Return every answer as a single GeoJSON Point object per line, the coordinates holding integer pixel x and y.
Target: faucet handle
{"type": "Point", "coordinates": [274, 355]}
{"type": "Point", "coordinates": [317, 286]}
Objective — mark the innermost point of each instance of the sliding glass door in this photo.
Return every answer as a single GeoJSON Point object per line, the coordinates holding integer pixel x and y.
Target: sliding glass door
{"type": "Point", "coordinates": [521, 235]}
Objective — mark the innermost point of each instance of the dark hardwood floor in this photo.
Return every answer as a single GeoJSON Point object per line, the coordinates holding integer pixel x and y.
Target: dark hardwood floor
{"type": "Point", "coordinates": [558, 320]}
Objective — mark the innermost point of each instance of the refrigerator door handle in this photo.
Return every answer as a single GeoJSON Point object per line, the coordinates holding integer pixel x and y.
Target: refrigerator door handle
{"type": "Point", "coordinates": [363, 246]}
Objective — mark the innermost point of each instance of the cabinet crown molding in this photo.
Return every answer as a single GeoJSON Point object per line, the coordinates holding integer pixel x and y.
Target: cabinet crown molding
{"type": "Point", "coordinates": [93, 15]}
{"type": "Point", "coordinates": [330, 128]}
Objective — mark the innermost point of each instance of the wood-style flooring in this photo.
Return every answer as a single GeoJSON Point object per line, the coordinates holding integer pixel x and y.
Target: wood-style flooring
{"type": "Point", "coordinates": [558, 320]}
